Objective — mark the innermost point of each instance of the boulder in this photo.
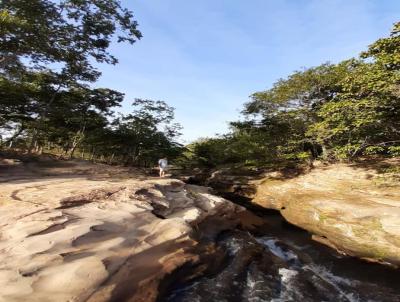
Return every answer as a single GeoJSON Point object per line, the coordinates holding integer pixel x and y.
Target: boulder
{"type": "Point", "coordinates": [353, 208]}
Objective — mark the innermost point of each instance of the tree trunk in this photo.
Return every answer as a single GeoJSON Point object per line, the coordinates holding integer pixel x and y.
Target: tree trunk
{"type": "Point", "coordinates": [13, 137]}
{"type": "Point", "coordinates": [77, 139]}
{"type": "Point", "coordinates": [111, 159]}
{"type": "Point", "coordinates": [360, 149]}
{"type": "Point", "coordinates": [33, 141]}
{"type": "Point", "coordinates": [72, 151]}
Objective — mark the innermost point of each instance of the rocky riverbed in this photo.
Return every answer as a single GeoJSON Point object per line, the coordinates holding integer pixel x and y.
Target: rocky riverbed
{"type": "Point", "coordinates": [76, 231]}
{"type": "Point", "coordinates": [281, 263]}
{"type": "Point", "coordinates": [354, 208]}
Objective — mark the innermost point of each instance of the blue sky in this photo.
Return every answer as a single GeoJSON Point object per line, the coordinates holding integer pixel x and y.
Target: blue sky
{"type": "Point", "coordinates": [206, 57]}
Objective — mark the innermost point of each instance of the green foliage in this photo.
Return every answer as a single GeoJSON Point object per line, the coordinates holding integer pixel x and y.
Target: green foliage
{"type": "Point", "coordinates": [394, 150]}
{"type": "Point", "coordinates": [334, 111]}
{"type": "Point", "coordinates": [374, 150]}
{"type": "Point", "coordinates": [145, 135]}
{"type": "Point", "coordinates": [385, 51]}
{"type": "Point", "coordinates": [68, 32]}
{"type": "Point", "coordinates": [47, 56]}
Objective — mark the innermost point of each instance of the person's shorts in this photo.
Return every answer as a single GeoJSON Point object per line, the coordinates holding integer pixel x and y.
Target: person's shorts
{"type": "Point", "coordinates": [163, 169]}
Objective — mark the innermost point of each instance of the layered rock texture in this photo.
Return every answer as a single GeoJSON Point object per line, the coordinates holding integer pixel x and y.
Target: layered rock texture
{"type": "Point", "coordinates": [354, 208]}
{"type": "Point", "coordinates": [96, 233]}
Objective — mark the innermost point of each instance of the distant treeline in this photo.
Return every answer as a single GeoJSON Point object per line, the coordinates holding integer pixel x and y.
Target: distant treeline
{"type": "Point", "coordinates": [47, 102]}
{"type": "Point", "coordinates": [332, 111]}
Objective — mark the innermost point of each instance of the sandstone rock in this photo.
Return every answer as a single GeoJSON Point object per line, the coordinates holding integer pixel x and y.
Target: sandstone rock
{"type": "Point", "coordinates": [230, 180]}
{"type": "Point", "coordinates": [97, 239]}
{"type": "Point", "coordinates": [347, 207]}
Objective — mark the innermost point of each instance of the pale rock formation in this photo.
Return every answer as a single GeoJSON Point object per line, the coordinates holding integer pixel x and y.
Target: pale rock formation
{"type": "Point", "coordinates": [73, 238]}
{"type": "Point", "coordinates": [354, 209]}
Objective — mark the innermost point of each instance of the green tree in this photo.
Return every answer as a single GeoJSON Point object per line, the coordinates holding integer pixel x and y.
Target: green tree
{"type": "Point", "coordinates": [70, 33]}
{"type": "Point", "coordinates": [47, 54]}
{"type": "Point", "coordinates": [140, 138]}
{"type": "Point", "coordinates": [282, 114]}
{"type": "Point", "coordinates": [365, 116]}
{"type": "Point", "coordinates": [342, 110]}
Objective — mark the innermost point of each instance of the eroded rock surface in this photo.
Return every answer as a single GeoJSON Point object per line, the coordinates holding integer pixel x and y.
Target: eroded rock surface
{"type": "Point", "coordinates": [355, 209]}
{"type": "Point", "coordinates": [84, 238]}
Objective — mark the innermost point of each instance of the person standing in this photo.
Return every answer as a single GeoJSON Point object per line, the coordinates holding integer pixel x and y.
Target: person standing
{"type": "Point", "coordinates": [163, 164]}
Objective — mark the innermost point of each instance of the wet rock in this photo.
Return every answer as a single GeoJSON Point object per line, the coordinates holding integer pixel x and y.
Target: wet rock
{"type": "Point", "coordinates": [268, 268]}
{"type": "Point", "coordinates": [237, 181]}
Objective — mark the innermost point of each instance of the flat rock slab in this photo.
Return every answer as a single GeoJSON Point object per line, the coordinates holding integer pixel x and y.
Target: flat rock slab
{"type": "Point", "coordinates": [111, 239]}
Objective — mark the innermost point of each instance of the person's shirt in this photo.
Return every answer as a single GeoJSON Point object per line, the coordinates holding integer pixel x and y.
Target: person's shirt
{"type": "Point", "coordinates": [163, 163]}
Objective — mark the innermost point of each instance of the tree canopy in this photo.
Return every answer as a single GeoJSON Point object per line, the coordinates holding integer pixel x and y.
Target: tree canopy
{"type": "Point", "coordinates": [47, 101]}
{"type": "Point", "coordinates": [46, 69]}
{"type": "Point", "coordinates": [333, 111]}
{"type": "Point", "coordinates": [70, 33]}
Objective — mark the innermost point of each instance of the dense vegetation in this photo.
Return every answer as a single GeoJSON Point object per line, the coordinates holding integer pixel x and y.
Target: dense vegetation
{"type": "Point", "coordinates": [48, 103]}
{"type": "Point", "coordinates": [47, 100]}
{"type": "Point", "coordinates": [332, 111]}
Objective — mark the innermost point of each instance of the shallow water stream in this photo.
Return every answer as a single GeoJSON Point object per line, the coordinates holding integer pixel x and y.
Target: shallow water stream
{"type": "Point", "coordinates": [279, 262]}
